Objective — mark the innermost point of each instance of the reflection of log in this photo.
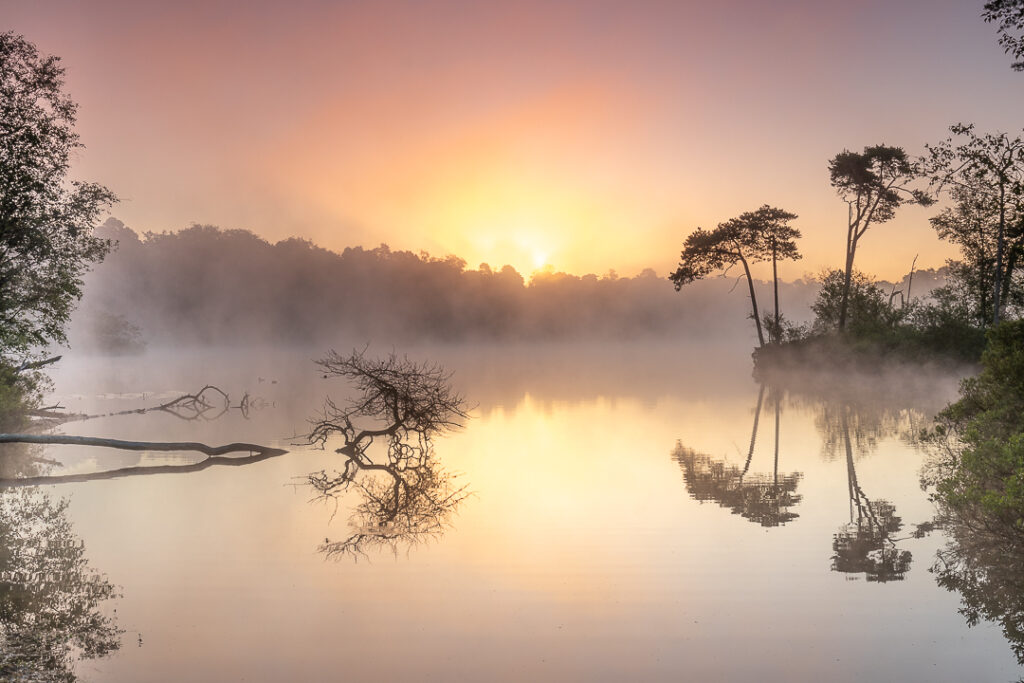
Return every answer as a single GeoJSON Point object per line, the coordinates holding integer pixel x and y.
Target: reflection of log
{"type": "Point", "coordinates": [61, 439]}
{"type": "Point", "coordinates": [216, 456]}
{"type": "Point", "coordinates": [135, 471]}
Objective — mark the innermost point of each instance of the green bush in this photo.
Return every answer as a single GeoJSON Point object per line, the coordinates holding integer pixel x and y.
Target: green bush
{"type": "Point", "coordinates": [868, 311]}
{"type": "Point", "coordinates": [985, 472]}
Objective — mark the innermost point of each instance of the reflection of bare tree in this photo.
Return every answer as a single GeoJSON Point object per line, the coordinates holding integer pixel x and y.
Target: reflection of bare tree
{"type": "Point", "coordinates": [759, 498]}
{"type": "Point", "coordinates": [50, 598]}
{"type": "Point", "coordinates": [406, 497]}
{"type": "Point", "coordinates": [864, 545]}
{"type": "Point", "coordinates": [402, 509]}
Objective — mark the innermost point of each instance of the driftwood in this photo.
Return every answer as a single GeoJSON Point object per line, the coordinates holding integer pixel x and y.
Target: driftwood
{"type": "Point", "coordinates": [216, 455]}
{"type": "Point", "coordinates": [209, 403]}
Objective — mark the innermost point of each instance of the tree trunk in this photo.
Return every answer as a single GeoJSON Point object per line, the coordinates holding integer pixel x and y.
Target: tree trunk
{"type": "Point", "coordinates": [775, 282]}
{"type": "Point", "coordinates": [851, 249]}
{"type": "Point", "coordinates": [998, 279]}
{"type": "Point", "coordinates": [753, 301]}
{"type": "Point", "coordinates": [1011, 260]}
{"type": "Point", "coordinates": [910, 280]}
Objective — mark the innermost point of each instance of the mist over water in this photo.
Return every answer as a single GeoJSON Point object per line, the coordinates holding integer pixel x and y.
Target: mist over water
{"type": "Point", "coordinates": [590, 547]}
{"type": "Point", "coordinates": [204, 286]}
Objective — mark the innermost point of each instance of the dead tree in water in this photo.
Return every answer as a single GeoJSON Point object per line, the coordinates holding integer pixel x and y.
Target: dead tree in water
{"type": "Point", "coordinates": [405, 404]}
{"type": "Point", "coordinates": [209, 403]}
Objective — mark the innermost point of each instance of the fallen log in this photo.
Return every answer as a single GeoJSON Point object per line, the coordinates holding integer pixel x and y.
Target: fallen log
{"type": "Point", "coordinates": [216, 455]}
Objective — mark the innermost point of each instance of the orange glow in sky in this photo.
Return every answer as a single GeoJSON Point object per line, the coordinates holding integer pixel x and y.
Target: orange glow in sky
{"type": "Point", "coordinates": [580, 136]}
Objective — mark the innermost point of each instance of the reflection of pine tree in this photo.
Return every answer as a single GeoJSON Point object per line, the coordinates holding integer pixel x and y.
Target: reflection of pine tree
{"type": "Point", "coordinates": [50, 598]}
{"type": "Point", "coordinates": [864, 546]}
{"type": "Point", "coordinates": [760, 498]}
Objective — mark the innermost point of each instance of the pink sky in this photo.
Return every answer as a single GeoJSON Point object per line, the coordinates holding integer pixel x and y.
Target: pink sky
{"type": "Point", "coordinates": [586, 136]}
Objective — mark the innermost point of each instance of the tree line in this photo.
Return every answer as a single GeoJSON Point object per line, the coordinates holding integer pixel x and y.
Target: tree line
{"type": "Point", "coordinates": [981, 179]}
{"type": "Point", "coordinates": [204, 285]}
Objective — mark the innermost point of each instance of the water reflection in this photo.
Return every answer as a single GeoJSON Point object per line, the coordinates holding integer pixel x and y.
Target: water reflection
{"type": "Point", "coordinates": [51, 599]}
{"type": "Point", "coordinates": [852, 416]}
{"type": "Point", "coordinates": [987, 568]}
{"type": "Point", "coordinates": [761, 499]}
{"type": "Point", "coordinates": [406, 497]}
{"type": "Point", "coordinates": [859, 411]}
{"type": "Point", "coordinates": [403, 509]}
{"type": "Point", "coordinates": [865, 544]}
{"type": "Point", "coordinates": [983, 557]}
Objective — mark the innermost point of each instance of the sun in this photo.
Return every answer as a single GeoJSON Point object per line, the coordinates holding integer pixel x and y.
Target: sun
{"type": "Point", "coordinates": [540, 259]}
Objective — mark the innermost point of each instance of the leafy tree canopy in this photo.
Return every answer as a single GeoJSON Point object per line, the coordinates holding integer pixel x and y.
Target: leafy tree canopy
{"type": "Point", "coordinates": [46, 221]}
{"type": "Point", "coordinates": [1008, 15]}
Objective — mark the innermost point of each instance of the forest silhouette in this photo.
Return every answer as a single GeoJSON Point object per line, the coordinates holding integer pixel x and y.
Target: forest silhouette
{"type": "Point", "coordinates": [205, 285]}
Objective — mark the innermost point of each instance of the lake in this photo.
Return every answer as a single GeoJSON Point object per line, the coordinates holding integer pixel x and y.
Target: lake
{"type": "Point", "coordinates": [619, 520]}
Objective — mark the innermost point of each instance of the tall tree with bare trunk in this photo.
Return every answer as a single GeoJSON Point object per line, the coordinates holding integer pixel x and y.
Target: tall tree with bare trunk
{"type": "Point", "coordinates": [873, 183]}
{"type": "Point", "coordinates": [752, 237]}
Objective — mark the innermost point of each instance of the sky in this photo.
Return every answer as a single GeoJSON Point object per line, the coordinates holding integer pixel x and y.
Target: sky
{"type": "Point", "coordinates": [583, 136]}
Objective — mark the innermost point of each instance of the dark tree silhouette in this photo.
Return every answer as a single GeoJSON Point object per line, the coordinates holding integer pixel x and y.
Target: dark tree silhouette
{"type": "Point", "coordinates": [407, 497]}
{"type": "Point", "coordinates": [1009, 17]}
{"type": "Point", "coordinates": [46, 222]}
{"type": "Point", "coordinates": [873, 183]}
{"type": "Point", "coordinates": [735, 241]}
{"type": "Point", "coordinates": [985, 176]}
{"type": "Point", "coordinates": [779, 242]}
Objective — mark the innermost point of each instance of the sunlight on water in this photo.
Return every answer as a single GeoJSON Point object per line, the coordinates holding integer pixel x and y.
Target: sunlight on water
{"type": "Point", "coordinates": [614, 530]}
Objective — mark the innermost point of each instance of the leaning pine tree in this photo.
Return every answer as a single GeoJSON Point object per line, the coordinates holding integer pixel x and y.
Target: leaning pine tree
{"type": "Point", "coordinates": [753, 237]}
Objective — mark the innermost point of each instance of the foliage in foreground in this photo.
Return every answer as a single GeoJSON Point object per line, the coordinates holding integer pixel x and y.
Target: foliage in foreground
{"type": "Point", "coordinates": [981, 474]}
{"type": "Point", "coordinates": [46, 221]}
{"type": "Point", "coordinates": [881, 330]}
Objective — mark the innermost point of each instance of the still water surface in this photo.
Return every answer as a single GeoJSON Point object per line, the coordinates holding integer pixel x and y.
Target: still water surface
{"type": "Point", "coordinates": [622, 525]}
